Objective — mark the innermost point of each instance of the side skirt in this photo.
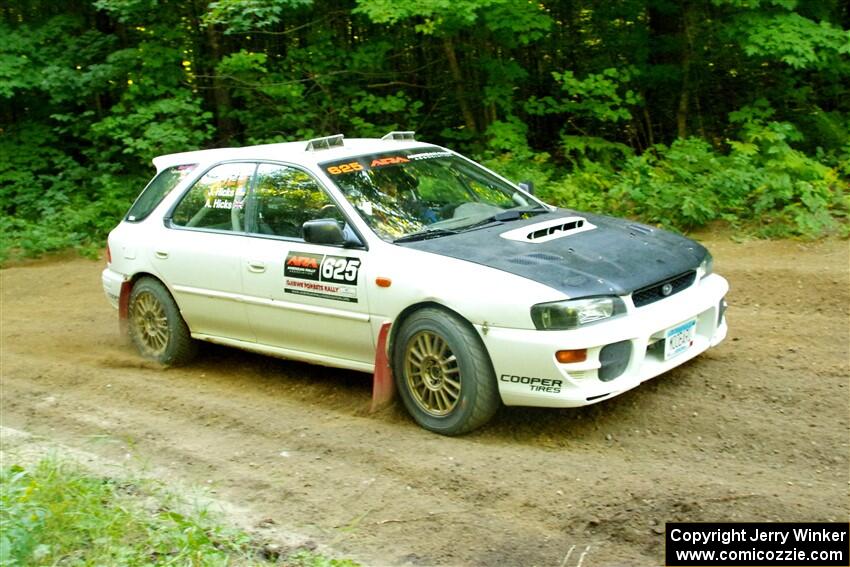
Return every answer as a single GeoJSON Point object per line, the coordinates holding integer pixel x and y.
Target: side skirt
{"type": "Point", "coordinates": [290, 354]}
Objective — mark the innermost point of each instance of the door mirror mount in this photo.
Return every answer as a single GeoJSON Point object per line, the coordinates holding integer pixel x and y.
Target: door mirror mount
{"type": "Point", "coordinates": [527, 186]}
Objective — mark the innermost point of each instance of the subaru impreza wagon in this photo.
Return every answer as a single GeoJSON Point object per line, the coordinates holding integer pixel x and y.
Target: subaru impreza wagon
{"type": "Point", "coordinates": [372, 253]}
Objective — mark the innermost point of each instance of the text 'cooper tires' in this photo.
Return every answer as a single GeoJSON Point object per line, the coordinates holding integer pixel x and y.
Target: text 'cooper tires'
{"type": "Point", "coordinates": [443, 373]}
{"type": "Point", "coordinates": [156, 326]}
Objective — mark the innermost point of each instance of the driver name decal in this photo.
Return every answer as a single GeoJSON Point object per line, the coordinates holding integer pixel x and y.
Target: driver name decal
{"type": "Point", "coordinates": [323, 276]}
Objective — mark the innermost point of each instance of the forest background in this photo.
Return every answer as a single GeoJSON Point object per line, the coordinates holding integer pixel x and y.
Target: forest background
{"type": "Point", "coordinates": [680, 114]}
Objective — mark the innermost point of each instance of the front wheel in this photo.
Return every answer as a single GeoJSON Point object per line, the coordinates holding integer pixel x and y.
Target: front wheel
{"type": "Point", "coordinates": [443, 373]}
{"type": "Point", "coordinates": [156, 327]}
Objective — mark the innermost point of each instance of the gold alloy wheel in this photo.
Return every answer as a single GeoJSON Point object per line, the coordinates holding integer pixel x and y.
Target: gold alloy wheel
{"type": "Point", "coordinates": [150, 323]}
{"type": "Point", "coordinates": [432, 373]}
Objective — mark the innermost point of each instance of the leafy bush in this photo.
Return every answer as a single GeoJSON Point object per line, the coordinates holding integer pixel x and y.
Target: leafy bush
{"type": "Point", "coordinates": [761, 180]}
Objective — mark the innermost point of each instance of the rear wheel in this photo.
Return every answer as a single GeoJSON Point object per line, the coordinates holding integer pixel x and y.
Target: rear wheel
{"type": "Point", "coordinates": [156, 326]}
{"type": "Point", "coordinates": [443, 373]}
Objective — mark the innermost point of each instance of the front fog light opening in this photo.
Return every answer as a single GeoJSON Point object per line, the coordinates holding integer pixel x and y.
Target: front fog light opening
{"type": "Point", "coordinates": [614, 359]}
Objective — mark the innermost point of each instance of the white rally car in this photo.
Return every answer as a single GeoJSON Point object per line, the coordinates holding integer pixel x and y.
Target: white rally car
{"type": "Point", "coordinates": [407, 260]}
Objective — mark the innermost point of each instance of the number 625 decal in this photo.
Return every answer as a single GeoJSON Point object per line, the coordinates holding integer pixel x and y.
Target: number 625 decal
{"type": "Point", "coordinates": [339, 269]}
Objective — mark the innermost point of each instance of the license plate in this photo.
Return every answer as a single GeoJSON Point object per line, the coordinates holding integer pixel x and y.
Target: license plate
{"type": "Point", "coordinates": [679, 339]}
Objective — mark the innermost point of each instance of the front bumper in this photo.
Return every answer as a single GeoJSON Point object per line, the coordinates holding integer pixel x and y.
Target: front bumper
{"type": "Point", "coordinates": [529, 375]}
{"type": "Point", "coordinates": [112, 285]}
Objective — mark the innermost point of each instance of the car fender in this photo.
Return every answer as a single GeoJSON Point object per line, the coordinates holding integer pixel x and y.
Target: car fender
{"type": "Point", "coordinates": [479, 294]}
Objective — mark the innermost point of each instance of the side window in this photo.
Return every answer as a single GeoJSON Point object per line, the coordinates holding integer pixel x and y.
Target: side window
{"type": "Point", "coordinates": [157, 189]}
{"type": "Point", "coordinates": [216, 200]}
{"type": "Point", "coordinates": [286, 198]}
{"type": "Point", "coordinates": [485, 189]}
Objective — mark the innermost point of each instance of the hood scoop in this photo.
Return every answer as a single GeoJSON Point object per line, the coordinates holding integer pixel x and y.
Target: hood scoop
{"type": "Point", "coordinates": [549, 230]}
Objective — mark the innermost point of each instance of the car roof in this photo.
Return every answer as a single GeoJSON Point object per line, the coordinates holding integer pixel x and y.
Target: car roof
{"type": "Point", "coordinates": [294, 152]}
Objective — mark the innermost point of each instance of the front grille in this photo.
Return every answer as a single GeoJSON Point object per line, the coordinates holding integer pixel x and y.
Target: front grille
{"type": "Point", "coordinates": [653, 293]}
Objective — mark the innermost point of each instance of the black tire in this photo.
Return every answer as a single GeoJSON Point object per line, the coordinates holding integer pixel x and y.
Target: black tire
{"type": "Point", "coordinates": [156, 327]}
{"type": "Point", "coordinates": [417, 351]}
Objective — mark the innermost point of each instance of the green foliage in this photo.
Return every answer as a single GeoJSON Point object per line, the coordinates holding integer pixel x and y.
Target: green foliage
{"type": "Point", "coordinates": [509, 136]}
{"type": "Point", "coordinates": [141, 129]}
{"type": "Point", "coordinates": [245, 15]}
{"type": "Point", "coordinates": [55, 513]}
{"type": "Point", "coordinates": [512, 22]}
{"type": "Point", "coordinates": [581, 149]}
{"type": "Point", "coordinates": [130, 11]}
{"type": "Point", "coordinates": [761, 182]}
{"type": "Point", "coordinates": [685, 185]}
{"type": "Point", "coordinates": [242, 64]}
{"type": "Point", "coordinates": [679, 113]}
{"type": "Point", "coordinates": [795, 40]}
{"type": "Point", "coordinates": [601, 96]}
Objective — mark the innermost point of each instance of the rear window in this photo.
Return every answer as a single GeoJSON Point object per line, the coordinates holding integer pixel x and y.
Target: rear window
{"type": "Point", "coordinates": [157, 189]}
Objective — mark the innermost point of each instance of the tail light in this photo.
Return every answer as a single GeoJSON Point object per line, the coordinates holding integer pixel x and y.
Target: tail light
{"type": "Point", "coordinates": [108, 255]}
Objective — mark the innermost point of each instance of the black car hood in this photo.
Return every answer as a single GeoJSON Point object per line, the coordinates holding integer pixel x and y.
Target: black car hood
{"type": "Point", "coordinates": [617, 257]}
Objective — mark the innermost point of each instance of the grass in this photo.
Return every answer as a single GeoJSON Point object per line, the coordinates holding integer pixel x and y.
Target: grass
{"type": "Point", "coordinates": [56, 513]}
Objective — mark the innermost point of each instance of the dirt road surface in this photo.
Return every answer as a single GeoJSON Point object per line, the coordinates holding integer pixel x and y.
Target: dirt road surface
{"type": "Point", "coordinates": [756, 429]}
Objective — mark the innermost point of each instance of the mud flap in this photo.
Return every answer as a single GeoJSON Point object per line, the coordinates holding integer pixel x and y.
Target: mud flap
{"type": "Point", "coordinates": [383, 386]}
{"type": "Point", "coordinates": [124, 308]}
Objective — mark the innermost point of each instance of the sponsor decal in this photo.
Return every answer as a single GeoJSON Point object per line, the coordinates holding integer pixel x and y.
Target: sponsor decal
{"type": "Point", "coordinates": [391, 160]}
{"type": "Point", "coordinates": [429, 155]}
{"type": "Point", "coordinates": [345, 168]}
{"type": "Point", "coordinates": [320, 275]}
{"type": "Point", "coordinates": [546, 385]}
{"type": "Point", "coordinates": [303, 265]}
{"type": "Point", "coordinates": [369, 162]}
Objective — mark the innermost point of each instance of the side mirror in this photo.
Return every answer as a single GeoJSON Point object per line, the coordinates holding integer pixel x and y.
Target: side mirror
{"type": "Point", "coordinates": [323, 231]}
{"type": "Point", "coordinates": [527, 186]}
{"type": "Point", "coordinates": [327, 231]}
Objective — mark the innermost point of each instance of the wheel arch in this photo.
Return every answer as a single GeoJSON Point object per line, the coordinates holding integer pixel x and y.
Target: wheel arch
{"type": "Point", "coordinates": [179, 347]}
{"type": "Point", "coordinates": [483, 396]}
{"type": "Point", "coordinates": [127, 289]}
{"type": "Point", "coordinates": [413, 308]}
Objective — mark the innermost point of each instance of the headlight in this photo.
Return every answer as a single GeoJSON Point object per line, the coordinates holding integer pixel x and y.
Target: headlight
{"type": "Point", "coordinates": [707, 265]}
{"type": "Point", "coordinates": [575, 313]}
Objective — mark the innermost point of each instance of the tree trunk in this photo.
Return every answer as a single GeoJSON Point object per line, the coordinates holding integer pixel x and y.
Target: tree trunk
{"type": "Point", "coordinates": [682, 112]}
{"type": "Point", "coordinates": [460, 90]}
{"type": "Point", "coordinates": [685, 93]}
{"type": "Point", "coordinates": [220, 92]}
{"type": "Point", "coordinates": [666, 45]}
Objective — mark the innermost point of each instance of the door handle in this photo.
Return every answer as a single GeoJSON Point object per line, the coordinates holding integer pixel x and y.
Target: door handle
{"type": "Point", "coordinates": [256, 267]}
{"type": "Point", "coordinates": [161, 254]}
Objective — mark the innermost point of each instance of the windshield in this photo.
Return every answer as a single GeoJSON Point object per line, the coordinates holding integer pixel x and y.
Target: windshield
{"type": "Point", "coordinates": [426, 190]}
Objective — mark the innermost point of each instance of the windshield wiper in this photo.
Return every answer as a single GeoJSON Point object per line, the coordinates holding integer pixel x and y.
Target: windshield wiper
{"type": "Point", "coordinates": [509, 215]}
{"type": "Point", "coordinates": [425, 234]}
